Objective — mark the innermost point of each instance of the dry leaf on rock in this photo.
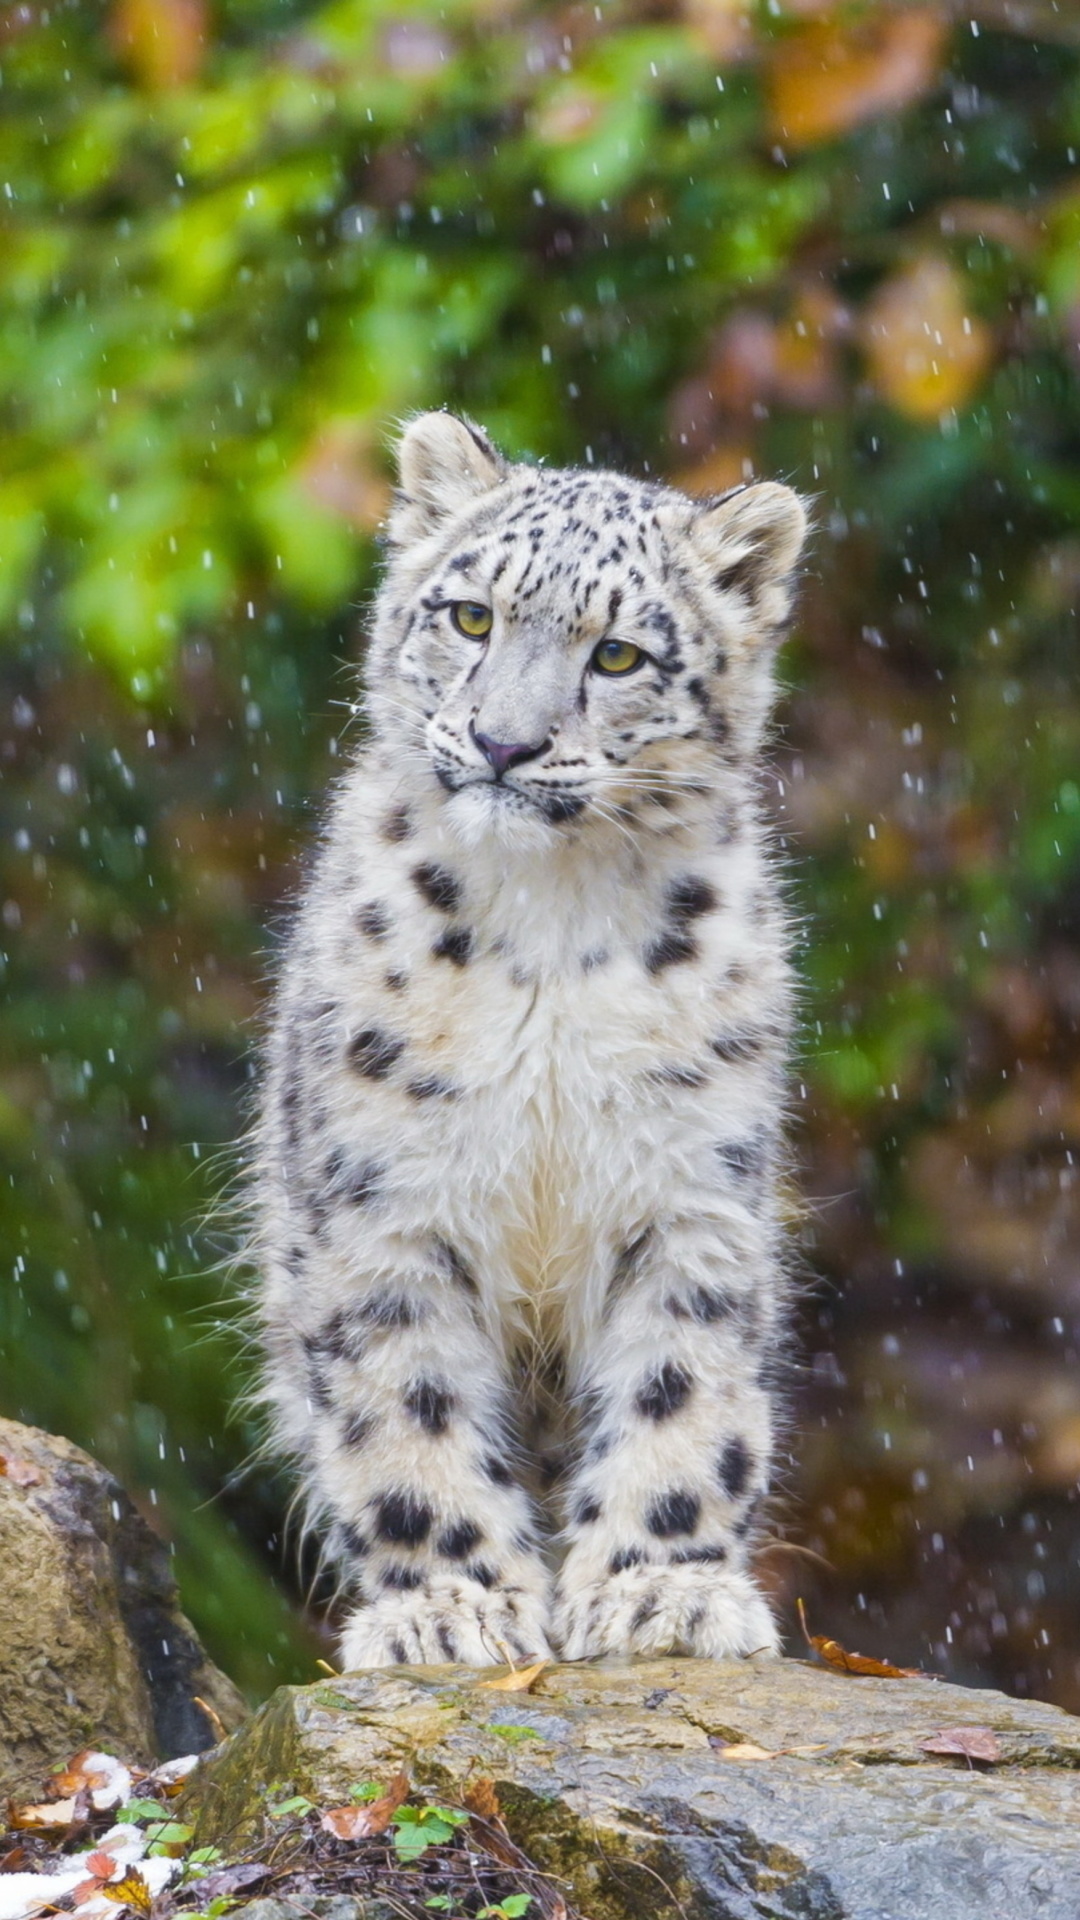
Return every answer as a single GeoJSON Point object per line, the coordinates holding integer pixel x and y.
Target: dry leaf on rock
{"type": "Point", "coordinates": [518, 1680]}
{"type": "Point", "coordinates": [18, 1471]}
{"type": "Point", "coordinates": [969, 1743]}
{"type": "Point", "coordinates": [842, 1661]}
{"type": "Point", "coordinates": [373, 1816]}
{"type": "Point", "coordinates": [131, 1891]}
{"type": "Point", "coordinates": [489, 1829]}
{"type": "Point", "coordinates": [741, 1750]}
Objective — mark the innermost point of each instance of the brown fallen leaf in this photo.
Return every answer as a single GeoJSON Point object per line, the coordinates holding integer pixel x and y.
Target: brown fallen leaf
{"type": "Point", "coordinates": [969, 1743]}
{"type": "Point", "coordinates": [487, 1825]}
{"type": "Point", "coordinates": [19, 1472]}
{"type": "Point", "coordinates": [748, 1750]}
{"type": "Point", "coordinates": [15, 1859]}
{"type": "Point", "coordinates": [50, 1816]}
{"type": "Point", "coordinates": [359, 1821]}
{"type": "Point", "coordinates": [131, 1891]}
{"type": "Point", "coordinates": [842, 1661]}
{"type": "Point", "coordinates": [741, 1750]}
{"type": "Point", "coordinates": [518, 1680]}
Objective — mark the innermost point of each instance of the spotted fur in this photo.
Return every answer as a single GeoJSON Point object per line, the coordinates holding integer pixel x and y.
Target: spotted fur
{"type": "Point", "coordinates": [515, 1208]}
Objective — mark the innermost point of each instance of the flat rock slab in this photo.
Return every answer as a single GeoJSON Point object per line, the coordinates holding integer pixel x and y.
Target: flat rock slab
{"type": "Point", "coordinates": [613, 1777]}
{"type": "Point", "coordinates": [94, 1650]}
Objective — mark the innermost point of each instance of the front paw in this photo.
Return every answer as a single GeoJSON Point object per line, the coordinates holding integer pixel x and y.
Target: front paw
{"type": "Point", "coordinates": [712, 1613]}
{"type": "Point", "coordinates": [448, 1620]}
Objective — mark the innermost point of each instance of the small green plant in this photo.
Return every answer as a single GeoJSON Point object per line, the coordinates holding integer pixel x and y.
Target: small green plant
{"type": "Point", "coordinates": [296, 1803]}
{"type": "Point", "coordinates": [511, 1732]}
{"type": "Point", "coordinates": [213, 1911]}
{"type": "Point", "coordinates": [418, 1828]}
{"type": "Point", "coordinates": [511, 1908]}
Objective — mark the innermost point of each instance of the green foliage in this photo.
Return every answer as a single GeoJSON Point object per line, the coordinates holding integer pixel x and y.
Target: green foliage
{"type": "Point", "coordinates": [699, 241]}
{"type": "Point", "coordinates": [417, 1828]}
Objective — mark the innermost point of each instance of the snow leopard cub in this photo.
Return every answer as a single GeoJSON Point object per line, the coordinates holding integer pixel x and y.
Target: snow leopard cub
{"type": "Point", "coordinates": [515, 1203]}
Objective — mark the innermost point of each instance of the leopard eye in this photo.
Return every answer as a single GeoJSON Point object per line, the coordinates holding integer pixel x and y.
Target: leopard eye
{"type": "Point", "coordinates": [471, 619]}
{"type": "Point", "coordinates": [616, 656]}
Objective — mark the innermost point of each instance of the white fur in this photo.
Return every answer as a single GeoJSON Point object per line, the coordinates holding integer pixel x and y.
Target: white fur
{"type": "Point", "coordinates": [579, 1090]}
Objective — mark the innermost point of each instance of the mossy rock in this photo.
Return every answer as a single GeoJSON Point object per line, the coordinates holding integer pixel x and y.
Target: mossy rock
{"type": "Point", "coordinates": [614, 1779]}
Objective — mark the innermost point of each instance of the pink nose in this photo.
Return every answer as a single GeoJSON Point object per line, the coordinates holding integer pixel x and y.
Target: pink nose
{"type": "Point", "coordinates": [501, 754]}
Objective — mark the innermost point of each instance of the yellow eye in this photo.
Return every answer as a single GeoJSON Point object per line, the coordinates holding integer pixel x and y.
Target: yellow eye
{"type": "Point", "coordinates": [471, 619]}
{"type": "Point", "coordinates": [616, 656]}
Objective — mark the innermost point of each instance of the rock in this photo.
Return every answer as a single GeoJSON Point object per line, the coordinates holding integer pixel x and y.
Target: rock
{"type": "Point", "coordinates": [93, 1647]}
{"type": "Point", "coordinates": [614, 1778]}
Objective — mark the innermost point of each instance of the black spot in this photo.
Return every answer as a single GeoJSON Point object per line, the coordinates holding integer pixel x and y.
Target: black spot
{"type": "Point", "coordinates": [318, 1391]}
{"type": "Point", "coordinates": [673, 1076]}
{"type": "Point", "coordinates": [746, 1158]}
{"type": "Point", "coordinates": [626, 1265]}
{"type": "Point", "coordinates": [485, 1576]}
{"type": "Point", "coordinates": [557, 807]}
{"type": "Point", "coordinates": [626, 1557]}
{"type": "Point", "coordinates": [668, 950]}
{"type": "Point", "coordinates": [460, 1273]}
{"type": "Point", "coordinates": [446, 1640]}
{"type": "Point", "coordinates": [401, 1579]}
{"type": "Point", "coordinates": [356, 1183]}
{"type": "Point", "coordinates": [397, 824]}
{"type": "Point", "coordinates": [373, 920]}
{"type": "Point", "coordinates": [673, 1513]}
{"type": "Point", "coordinates": [596, 957]}
{"type": "Point", "coordinates": [431, 1403]}
{"type": "Point", "coordinates": [587, 1511]}
{"type": "Point", "coordinates": [358, 1429]}
{"type": "Point", "coordinates": [397, 1648]}
{"type": "Point", "coordinates": [391, 1309]}
{"type": "Point", "coordinates": [352, 1539]}
{"type": "Point", "coordinates": [401, 1518]}
{"type": "Point", "coordinates": [734, 1468]}
{"type": "Point", "coordinates": [743, 576]}
{"type": "Point", "coordinates": [746, 1520]}
{"type": "Point", "coordinates": [397, 980]}
{"type": "Point", "coordinates": [433, 1088]}
{"type": "Point", "coordinates": [456, 944]}
{"type": "Point", "coordinates": [706, 1305]}
{"type": "Point", "coordinates": [688, 898]}
{"type": "Point", "coordinates": [295, 1261]}
{"type": "Point", "coordinates": [734, 1047]}
{"type": "Point", "coordinates": [332, 1338]}
{"type": "Point", "coordinates": [663, 1393]}
{"type": "Point", "coordinates": [373, 1051]}
{"type": "Point", "coordinates": [459, 1540]}
{"type": "Point", "coordinates": [644, 1610]}
{"type": "Point", "coordinates": [497, 1471]}
{"type": "Point", "coordinates": [438, 886]}
{"type": "Point", "coordinates": [687, 1556]}
{"type": "Point", "coordinates": [699, 691]}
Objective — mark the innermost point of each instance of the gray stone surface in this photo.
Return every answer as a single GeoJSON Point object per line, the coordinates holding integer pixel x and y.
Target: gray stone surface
{"type": "Point", "coordinates": [607, 1776]}
{"type": "Point", "coordinates": [93, 1647]}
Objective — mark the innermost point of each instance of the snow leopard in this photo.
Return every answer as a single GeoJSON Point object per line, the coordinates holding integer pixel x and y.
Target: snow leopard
{"type": "Point", "coordinates": [518, 1199]}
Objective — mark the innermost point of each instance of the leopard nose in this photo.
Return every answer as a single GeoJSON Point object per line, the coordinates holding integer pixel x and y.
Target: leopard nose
{"type": "Point", "coordinates": [502, 754]}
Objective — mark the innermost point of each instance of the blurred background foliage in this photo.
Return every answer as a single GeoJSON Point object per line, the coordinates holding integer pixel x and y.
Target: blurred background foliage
{"type": "Point", "coordinates": [699, 238]}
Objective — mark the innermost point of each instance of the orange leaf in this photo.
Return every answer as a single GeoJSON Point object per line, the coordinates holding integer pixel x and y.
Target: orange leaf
{"type": "Point", "coordinates": [518, 1680]}
{"type": "Point", "coordinates": [51, 1817]}
{"type": "Point", "coordinates": [971, 1743]}
{"type": "Point", "coordinates": [19, 1472]}
{"type": "Point", "coordinates": [926, 351]}
{"type": "Point", "coordinates": [161, 41]}
{"type": "Point", "coordinates": [481, 1798]}
{"type": "Point", "coordinates": [842, 1661]}
{"type": "Point", "coordinates": [358, 1822]}
{"type": "Point", "coordinates": [832, 74]}
{"type": "Point", "coordinates": [743, 1750]}
{"type": "Point", "coordinates": [131, 1891]}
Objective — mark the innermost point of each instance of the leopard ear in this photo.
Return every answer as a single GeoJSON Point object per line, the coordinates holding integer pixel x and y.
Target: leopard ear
{"type": "Point", "coordinates": [444, 464]}
{"type": "Point", "coordinates": [750, 541]}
